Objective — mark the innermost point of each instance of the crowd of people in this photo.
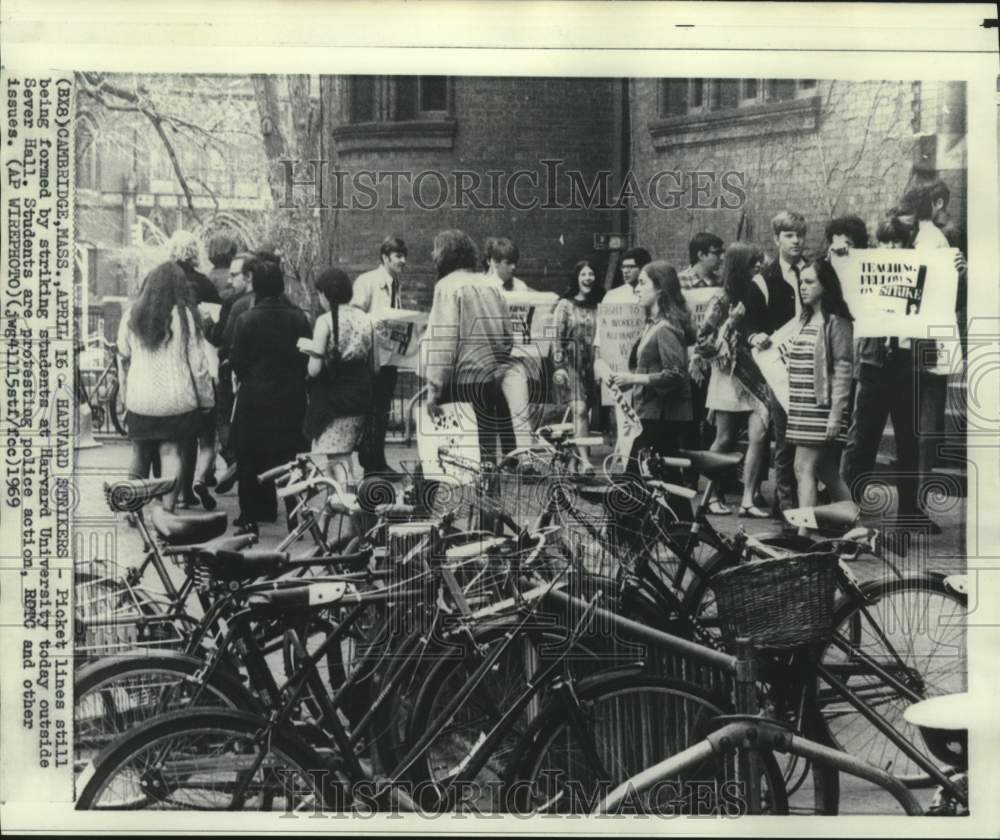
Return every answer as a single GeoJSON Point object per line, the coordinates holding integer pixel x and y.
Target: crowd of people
{"type": "Point", "coordinates": [228, 363]}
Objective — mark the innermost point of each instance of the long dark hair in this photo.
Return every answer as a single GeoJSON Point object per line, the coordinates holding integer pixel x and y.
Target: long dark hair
{"type": "Point", "coordinates": [738, 270]}
{"type": "Point", "coordinates": [670, 299]}
{"type": "Point", "coordinates": [596, 293]}
{"type": "Point", "coordinates": [832, 302]}
{"type": "Point", "coordinates": [164, 288]}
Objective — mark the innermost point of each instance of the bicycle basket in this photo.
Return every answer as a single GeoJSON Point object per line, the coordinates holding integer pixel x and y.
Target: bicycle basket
{"type": "Point", "coordinates": [778, 603]}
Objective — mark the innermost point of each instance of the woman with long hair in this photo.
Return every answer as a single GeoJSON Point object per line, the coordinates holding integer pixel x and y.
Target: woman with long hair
{"type": "Point", "coordinates": [165, 377]}
{"type": "Point", "coordinates": [658, 371]}
{"type": "Point", "coordinates": [342, 367]}
{"type": "Point", "coordinates": [820, 366]}
{"type": "Point", "coordinates": [575, 320]}
{"type": "Point", "coordinates": [729, 401]}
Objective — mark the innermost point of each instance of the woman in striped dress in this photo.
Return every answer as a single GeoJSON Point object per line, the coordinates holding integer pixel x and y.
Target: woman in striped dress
{"type": "Point", "coordinates": [820, 363]}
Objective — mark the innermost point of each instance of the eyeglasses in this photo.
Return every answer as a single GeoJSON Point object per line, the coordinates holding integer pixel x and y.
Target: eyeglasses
{"type": "Point", "coordinates": [631, 266]}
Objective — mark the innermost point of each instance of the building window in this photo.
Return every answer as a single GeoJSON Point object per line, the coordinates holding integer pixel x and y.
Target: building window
{"type": "Point", "coordinates": [780, 90]}
{"type": "Point", "coordinates": [727, 94]}
{"type": "Point", "coordinates": [362, 99]}
{"type": "Point", "coordinates": [680, 97]}
{"type": "Point", "coordinates": [433, 93]}
{"type": "Point", "coordinates": [694, 112]}
{"type": "Point", "coordinates": [395, 112]}
{"type": "Point", "coordinates": [674, 102]}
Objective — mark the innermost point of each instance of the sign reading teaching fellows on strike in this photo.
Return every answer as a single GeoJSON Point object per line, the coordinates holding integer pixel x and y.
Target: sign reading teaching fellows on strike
{"type": "Point", "coordinates": [900, 293]}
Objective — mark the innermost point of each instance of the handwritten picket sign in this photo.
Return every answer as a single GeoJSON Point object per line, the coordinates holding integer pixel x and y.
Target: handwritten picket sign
{"type": "Point", "coordinates": [619, 326]}
{"type": "Point", "coordinates": [627, 421]}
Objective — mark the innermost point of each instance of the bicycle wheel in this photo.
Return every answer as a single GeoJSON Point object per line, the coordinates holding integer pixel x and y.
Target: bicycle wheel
{"type": "Point", "coordinates": [116, 408]}
{"type": "Point", "coordinates": [506, 680]}
{"type": "Point", "coordinates": [914, 629]}
{"type": "Point", "coordinates": [207, 760]}
{"type": "Point", "coordinates": [629, 723]}
{"type": "Point", "coordinates": [113, 695]}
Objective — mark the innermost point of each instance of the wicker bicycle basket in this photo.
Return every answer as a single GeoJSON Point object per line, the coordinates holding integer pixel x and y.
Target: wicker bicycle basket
{"type": "Point", "coordinates": [778, 603]}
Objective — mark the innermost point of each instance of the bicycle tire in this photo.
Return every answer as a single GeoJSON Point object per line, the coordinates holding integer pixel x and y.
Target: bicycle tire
{"type": "Point", "coordinates": [116, 410]}
{"type": "Point", "coordinates": [167, 761]}
{"type": "Point", "coordinates": [506, 680]}
{"type": "Point", "coordinates": [656, 717]}
{"type": "Point", "coordinates": [910, 614]}
{"type": "Point", "coordinates": [115, 694]}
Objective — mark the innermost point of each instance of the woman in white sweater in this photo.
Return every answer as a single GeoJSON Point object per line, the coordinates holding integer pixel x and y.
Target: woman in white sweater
{"type": "Point", "coordinates": [165, 375]}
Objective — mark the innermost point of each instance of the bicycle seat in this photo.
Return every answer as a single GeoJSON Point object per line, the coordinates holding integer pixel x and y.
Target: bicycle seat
{"type": "Point", "coordinates": [396, 509]}
{"type": "Point", "coordinates": [711, 464]}
{"type": "Point", "coordinates": [316, 594]}
{"type": "Point", "coordinates": [189, 528]}
{"type": "Point", "coordinates": [241, 565]}
{"type": "Point", "coordinates": [838, 516]}
{"type": "Point", "coordinates": [130, 494]}
{"type": "Point", "coordinates": [943, 722]}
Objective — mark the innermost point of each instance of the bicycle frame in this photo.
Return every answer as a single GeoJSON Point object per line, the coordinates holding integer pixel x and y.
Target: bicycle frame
{"type": "Point", "coordinates": [744, 668]}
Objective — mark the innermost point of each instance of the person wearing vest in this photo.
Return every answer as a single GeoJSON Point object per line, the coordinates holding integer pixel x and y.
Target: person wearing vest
{"type": "Point", "coordinates": [773, 300]}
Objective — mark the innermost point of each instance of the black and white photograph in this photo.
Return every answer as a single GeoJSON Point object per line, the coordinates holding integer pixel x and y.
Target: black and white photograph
{"type": "Point", "coordinates": [499, 444]}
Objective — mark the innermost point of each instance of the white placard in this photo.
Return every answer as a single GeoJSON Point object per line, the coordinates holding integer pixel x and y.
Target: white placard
{"type": "Point", "coordinates": [398, 333]}
{"type": "Point", "coordinates": [456, 429]}
{"type": "Point", "coordinates": [627, 422]}
{"type": "Point", "coordinates": [619, 325]}
{"type": "Point", "coordinates": [772, 361]}
{"type": "Point", "coordinates": [900, 293]}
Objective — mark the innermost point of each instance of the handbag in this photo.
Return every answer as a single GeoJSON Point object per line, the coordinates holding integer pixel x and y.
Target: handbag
{"type": "Point", "coordinates": [205, 413]}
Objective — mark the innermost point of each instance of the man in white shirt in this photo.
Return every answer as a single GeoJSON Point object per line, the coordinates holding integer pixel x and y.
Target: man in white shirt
{"type": "Point", "coordinates": [773, 300]}
{"type": "Point", "coordinates": [377, 292]}
{"type": "Point", "coordinates": [522, 370]}
{"type": "Point", "coordinates": [633, 262]}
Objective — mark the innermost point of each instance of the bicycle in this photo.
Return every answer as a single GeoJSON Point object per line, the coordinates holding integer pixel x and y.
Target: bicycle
{"type": "Point", "coordinates": [253, 743]}
{"type": "Point", "coordinates": [105, 394]}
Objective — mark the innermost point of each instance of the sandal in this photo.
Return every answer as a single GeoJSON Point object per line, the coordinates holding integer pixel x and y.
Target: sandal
{"type": "Point", "coordinates": [753, 512]}
{"type": "Point", "coordinates": [717, 508]}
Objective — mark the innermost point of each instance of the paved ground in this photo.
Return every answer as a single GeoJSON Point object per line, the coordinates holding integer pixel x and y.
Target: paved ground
{"type": "Point", "coordinates": [102, 535]}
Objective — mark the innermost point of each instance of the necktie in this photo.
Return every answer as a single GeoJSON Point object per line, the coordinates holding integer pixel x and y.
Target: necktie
{"type": "Point", "coordinates": [798, 280]}
{"type": "Point", "coordinates": [394, 294]}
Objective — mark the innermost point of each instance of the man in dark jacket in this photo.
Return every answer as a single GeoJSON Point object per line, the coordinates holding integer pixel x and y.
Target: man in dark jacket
{"type": "Point", "coordinates": [271, 403]}
{"type": "Point", "coordinates": [772, 302]}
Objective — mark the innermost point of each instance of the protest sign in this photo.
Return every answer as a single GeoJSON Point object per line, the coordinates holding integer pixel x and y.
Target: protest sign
{"type": "Point", "coordinates": [619, 326]}
{"type": "Point", "coordinates": [531, 324]}
{"type": "Point", "coordinates": [627, 421]}
{"type": "Point", "coordinates": [531, 316]}
{"type": "Point", "coordinates": [773, 361]}
{"type": "Point", "coordinates": [698, 300]}
{"type": "Point", "coordinates": [398, 335]}
{"type": "Point", "coordinates": [900, 293]}
{"type": "Point", "coordinates": [454, 428]}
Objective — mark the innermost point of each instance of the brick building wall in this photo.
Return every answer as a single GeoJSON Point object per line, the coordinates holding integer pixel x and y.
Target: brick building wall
{"type": "Point", "coordinates": [503, 124]}
{"type": "Point", "coordinates": [853, 154]}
